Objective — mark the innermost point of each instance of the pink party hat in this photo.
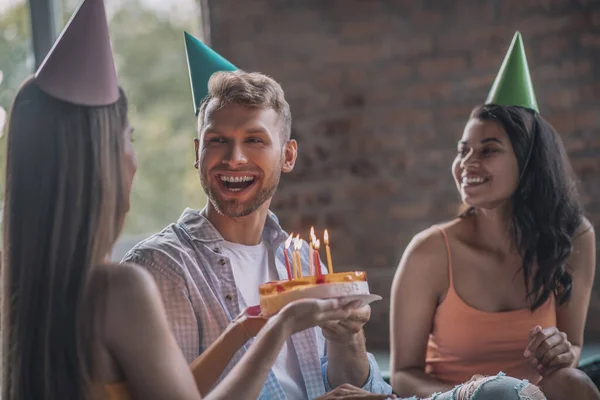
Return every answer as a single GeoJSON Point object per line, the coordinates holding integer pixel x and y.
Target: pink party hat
{"type": "Point", "coordinates": [80, 68]}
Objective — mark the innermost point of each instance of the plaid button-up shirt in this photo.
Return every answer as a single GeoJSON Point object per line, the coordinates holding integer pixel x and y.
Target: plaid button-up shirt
{"type": "Point", "coordinates": [201, 298]}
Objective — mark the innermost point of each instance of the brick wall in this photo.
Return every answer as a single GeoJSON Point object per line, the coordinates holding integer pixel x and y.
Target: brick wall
{"type": "Point", "coordinates": [380, 92]}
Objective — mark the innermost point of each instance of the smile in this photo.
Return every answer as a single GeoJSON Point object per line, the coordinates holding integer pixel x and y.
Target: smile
{"type": "Point", "coordinates": [237, 183]}
{"type": "Point", "coordinates": [473, 180]}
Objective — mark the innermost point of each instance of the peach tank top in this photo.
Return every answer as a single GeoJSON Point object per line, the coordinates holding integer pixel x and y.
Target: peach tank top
{"type": "Point", "coordinates": [465, 341]}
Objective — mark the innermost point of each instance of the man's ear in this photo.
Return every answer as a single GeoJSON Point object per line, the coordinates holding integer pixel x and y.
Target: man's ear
{"type": "Point", "coordinates": [290, 153]}
{"type": "Point", "coordinates": [196, 147]}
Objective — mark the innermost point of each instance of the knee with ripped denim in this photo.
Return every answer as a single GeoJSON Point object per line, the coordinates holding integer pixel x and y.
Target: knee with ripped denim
{"type": "Point", "coordinates": [499, 387]}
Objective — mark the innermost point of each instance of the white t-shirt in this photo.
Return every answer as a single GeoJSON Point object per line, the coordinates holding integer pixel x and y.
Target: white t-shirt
{"type": "Point", "coordinates": [252, 266]}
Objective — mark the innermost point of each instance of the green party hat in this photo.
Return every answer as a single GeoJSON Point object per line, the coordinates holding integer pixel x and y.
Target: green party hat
{"type": "Point", "coordinates": [513, 86]}
{"type": "Point", "coordinates": [202, 63]}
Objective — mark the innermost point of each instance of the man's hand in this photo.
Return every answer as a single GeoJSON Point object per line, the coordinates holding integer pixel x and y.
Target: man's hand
{"type": "Point", "coordinates": [345, 330]}
{"type": "Point", "coordinates": [549, 350]}
{"type": "Point", "coordinates": [347, 360]}
{"type": "Point", "coordinates": [347, 391]}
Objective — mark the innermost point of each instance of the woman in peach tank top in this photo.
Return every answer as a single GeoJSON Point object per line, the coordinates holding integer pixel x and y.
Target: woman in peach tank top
{"type": "Point", "coordinates": [506, 286]}
{"type": "Point", "coordinates": [460, 332]}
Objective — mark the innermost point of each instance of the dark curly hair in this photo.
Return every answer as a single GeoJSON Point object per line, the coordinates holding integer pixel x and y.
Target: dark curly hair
{"type": "Point", "coordinates": [546, 211]}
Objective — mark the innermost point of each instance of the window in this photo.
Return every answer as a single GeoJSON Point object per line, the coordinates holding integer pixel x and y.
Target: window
{"type": "Point", "coordinates": [16, 63]}
{"type": "Point", "coordinates": [16, 54]}
{"type": "Point", "coordinates": [147, 37]}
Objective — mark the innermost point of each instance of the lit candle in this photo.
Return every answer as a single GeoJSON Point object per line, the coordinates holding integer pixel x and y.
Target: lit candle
{"type": "Point", "coordinates": [295, 259]}
{"type": "Point", "coordinates": [318, 260]}
{"type": "Point", "coordinates": [311, 266]}
{"type": "Point", "coordinates": [298, 246]}
{"type": "Point", "coordinates": [326, 241]}
{"type": "Point", "coordinates": [311, 269]}
{"type": "Point", "coordinates": [285, 255]}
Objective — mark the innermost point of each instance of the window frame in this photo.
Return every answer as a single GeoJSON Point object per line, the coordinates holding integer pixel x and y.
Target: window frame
{"type": "Point", "coordinates": [45, 17]}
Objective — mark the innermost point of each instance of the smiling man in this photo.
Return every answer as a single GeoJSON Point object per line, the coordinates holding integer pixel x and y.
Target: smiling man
{"type": "Point", "coordinates": [208, 265]}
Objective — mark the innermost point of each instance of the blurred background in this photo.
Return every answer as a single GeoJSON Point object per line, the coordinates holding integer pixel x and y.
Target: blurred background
{"type": "Point", "coordinates": [147, 38]}
{"type": "Point", "coordinates": [379, 90]}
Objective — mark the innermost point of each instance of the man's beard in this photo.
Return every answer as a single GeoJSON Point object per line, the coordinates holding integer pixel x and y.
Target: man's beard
{"type": "Point", "coordinates": [235, 208]}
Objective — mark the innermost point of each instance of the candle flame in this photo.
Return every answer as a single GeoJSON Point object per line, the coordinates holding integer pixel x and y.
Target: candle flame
{"type": "Point", "coordinates": [313, 237]}
{"type": "Point", "coordinates": [326, 238]}
{"type": "Point", "coordinates": [289, 240]}
{"type": "Point", "coordinates": [297, 243]}
{"type": "Point", "coordinates": [317, 244]}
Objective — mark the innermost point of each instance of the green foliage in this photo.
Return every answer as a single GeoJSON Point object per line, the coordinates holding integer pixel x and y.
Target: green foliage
{"type": "Point", "coordinates": [16, 63]}
{"type": "Point", "coordinates": [153, 71]}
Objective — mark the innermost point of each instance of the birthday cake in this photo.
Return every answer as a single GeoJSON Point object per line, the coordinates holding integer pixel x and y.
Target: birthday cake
{"type": "Point", "coordinates": [316, 285]}
{"type": "Point", "coordinates": [275, 295]}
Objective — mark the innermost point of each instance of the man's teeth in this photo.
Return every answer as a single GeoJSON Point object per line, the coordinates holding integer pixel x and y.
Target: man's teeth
{"type": "Point", "coordinates": [472, 179]}
{"type": "Point", "coordinates": [226, 178]}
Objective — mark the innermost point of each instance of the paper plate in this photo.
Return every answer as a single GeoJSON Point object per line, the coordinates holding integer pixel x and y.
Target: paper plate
{"type": "Point", "coordinates": [366, 298]}
{"type": "Point", "coordinates": [255, 311]}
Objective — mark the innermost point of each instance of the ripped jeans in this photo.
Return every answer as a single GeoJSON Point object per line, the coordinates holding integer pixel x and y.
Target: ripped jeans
{"type": "Point", "coordinates": [499, 387]}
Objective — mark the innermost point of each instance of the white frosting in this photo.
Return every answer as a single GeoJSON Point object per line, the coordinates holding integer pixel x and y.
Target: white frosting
{"type": "Point", "coordinates": [271, 304]}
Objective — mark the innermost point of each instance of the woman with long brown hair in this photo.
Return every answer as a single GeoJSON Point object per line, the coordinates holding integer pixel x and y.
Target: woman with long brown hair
{"type": "Point", "coordinates": [506, 285]}
{"type": "Point", "coordinates": [73, 325]}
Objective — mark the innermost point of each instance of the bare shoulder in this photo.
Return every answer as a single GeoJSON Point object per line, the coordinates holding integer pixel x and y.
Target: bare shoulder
{"type": "Point", "coordinates": [130, 281]}
{"type": "Point", "coordinates": [429, 244]}
{"type": "Point", "coordinates": [584, 239]}
{"type": "Point", "coordinates": [133, 300]}
{"type": "Point", "coordinates": [583, 257]}
{"type": "Point", "coordinates": [585, 231]}
{"type": "Point", "coordinates": [426, 259]}
{"type": "Point", "coordinates": [139, 339]}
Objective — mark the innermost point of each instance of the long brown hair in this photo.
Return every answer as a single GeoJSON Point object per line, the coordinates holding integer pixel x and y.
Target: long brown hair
{"type": "Point", "coordinates": [64, 208]}
{"type": "Point", "coordinates": [546, 208]}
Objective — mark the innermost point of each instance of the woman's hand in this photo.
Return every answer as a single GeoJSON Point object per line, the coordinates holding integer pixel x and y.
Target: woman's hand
{"type": "Point", "coordinates": [306, 313]}
{"type": "Point", "coordinates": [250, 321]}
{"type": "Point", "coordinates": [549, 350]}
